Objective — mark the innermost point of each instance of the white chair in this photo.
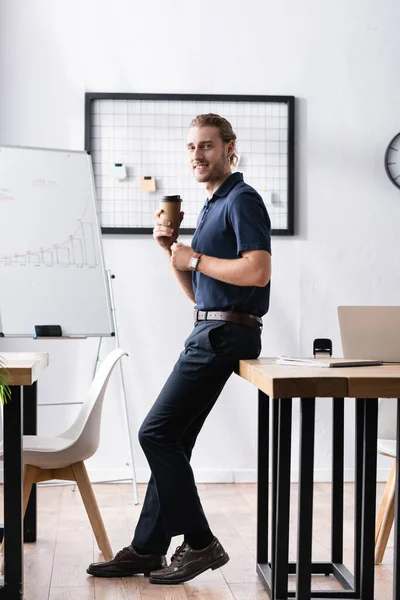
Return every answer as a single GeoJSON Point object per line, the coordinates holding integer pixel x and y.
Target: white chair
{"type": "Point", "coordinates": [387, 417]}
{"type": "Point", "coordinates": [62, 456]}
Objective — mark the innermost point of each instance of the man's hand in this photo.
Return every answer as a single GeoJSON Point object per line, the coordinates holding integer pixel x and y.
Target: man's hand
{"type": "Point", "coordinates": [163, 233]}
{"type": "Point", "coordinates": [180, 256]}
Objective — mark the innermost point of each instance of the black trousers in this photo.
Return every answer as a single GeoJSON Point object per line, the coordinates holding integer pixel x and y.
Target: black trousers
{"type": "Point", "coordinates": [169, 432]}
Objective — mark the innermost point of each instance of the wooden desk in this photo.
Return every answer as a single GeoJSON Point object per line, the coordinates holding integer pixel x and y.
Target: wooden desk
{"type": "Point", "coordinates": [24, 369]}
{"type": "Point", "coordinates": [281, 383]}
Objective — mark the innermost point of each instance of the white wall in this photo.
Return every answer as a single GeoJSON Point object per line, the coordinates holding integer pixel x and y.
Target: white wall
{"type": "Point", "coordinates": [340, 59]}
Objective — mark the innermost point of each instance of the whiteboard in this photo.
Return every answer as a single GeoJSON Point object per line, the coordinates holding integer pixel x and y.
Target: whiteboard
{"type": "Point", "coordinates": [51, 261]}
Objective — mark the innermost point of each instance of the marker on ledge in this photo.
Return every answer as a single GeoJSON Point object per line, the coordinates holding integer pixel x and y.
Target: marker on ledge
{"type": "Point", "coordinates": [47, 331]}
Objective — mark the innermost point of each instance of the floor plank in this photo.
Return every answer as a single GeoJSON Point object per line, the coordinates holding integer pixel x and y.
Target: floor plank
{"type": "Point", "coordinates": [149, 591]}
{"type": "Point", "coordinates": [117, 589]}
{"type": "Point", "coordinates": [71, 593]}
{"type": "Point", "coordinates": [55, 566]}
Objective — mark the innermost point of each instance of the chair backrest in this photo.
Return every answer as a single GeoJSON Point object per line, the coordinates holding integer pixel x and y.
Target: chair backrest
{"type": "Point", "coordinates": [387, 418]}
{"type": "Point", "coordinates": [84, 433]}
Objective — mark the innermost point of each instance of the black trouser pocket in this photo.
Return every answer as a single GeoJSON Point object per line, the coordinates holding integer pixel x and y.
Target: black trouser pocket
{"type": "Point", "coordinates": [236, 341]}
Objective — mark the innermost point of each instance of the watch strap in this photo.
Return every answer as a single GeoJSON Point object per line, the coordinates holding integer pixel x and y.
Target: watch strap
{"type": "Point", "coordinates": [197, 256]}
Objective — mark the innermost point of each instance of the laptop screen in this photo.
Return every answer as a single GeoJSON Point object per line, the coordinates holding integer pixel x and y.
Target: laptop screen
{"type": "Point", "coordinates": [370, 332]}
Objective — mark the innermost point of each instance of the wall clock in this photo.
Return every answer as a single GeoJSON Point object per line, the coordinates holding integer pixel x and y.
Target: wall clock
{"type": "Point", "coordinates": [392, 160]}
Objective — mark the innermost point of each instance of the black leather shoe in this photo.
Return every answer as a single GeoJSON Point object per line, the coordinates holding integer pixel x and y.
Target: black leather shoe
{"type": "Point", "coordinates": [187, 563]}
{"type": "Point", "coordinates": [127, 562]}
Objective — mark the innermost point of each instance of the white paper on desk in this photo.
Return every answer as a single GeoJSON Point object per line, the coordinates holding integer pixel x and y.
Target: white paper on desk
{"type": "Point", "coordinates": [327, 363]}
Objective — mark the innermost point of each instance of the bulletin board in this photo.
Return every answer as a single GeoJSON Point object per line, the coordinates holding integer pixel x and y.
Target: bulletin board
{"type": "Point", "coordinates": [138, 148]}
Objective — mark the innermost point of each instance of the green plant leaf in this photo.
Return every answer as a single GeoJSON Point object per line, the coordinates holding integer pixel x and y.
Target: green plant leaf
{"type": "Point", "coordinates": [5, 392]}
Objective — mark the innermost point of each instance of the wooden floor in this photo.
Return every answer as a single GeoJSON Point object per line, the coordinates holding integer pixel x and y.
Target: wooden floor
{"type": "Point", "coordinates": [55, 567]}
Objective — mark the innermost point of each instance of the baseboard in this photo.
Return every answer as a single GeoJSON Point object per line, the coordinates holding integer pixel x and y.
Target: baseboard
{"type": "Point", "coordinates": [214, 475]}
{"type": "Point", "coordinates": [224, 475]}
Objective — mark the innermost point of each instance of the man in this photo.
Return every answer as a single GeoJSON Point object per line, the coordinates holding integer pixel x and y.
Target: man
{"type": "Point", "coordinates": [226, 272]}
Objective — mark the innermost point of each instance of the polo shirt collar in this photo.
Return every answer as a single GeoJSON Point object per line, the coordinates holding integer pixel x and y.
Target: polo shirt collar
{"type": "Point", "coordinates": [228, 184]}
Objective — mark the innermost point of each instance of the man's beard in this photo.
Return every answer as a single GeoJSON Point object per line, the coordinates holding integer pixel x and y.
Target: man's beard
{"type": "Point", "coordinates": [216, 172]}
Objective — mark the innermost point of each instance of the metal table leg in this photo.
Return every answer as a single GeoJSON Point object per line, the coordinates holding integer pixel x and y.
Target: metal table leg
{"type": "Point", "coordinates": [358, 487]}
{"type": "Point", "coordinates": [369, 499]}
{"type": "Point", "coordinates": [281, 524]}
{"type": "Point", "coordinates": [262, 486]}
{"type": "Point", "coordinates": [13, 545]}
{"type": "Point", "coordinates": [337, 479]}
{"type": "Point", "coordinates": [274, 460]}
{"type": "Point", "coordinates": [305, 501]}
{"type": "Point", "coordinates": [30, 428]}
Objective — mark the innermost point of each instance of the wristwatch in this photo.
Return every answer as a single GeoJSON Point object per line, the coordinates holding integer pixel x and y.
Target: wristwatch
{"type": "Point", "coordinates": [194, 261]}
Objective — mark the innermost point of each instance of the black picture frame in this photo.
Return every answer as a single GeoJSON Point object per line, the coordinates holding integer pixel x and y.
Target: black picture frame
{"type": "Point", "coordinates": [91, 97]}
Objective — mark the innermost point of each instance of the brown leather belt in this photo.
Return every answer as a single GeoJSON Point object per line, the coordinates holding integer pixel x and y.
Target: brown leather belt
{"type": "Point", "coordinates": [234, 317]}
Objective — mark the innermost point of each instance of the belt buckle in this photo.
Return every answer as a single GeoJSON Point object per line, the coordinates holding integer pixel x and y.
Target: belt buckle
{"type": "Point", "coordinates": [257, 320]}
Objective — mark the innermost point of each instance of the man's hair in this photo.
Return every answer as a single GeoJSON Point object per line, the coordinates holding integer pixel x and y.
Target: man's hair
{"type": "Point", "coordinates": [226, 132]}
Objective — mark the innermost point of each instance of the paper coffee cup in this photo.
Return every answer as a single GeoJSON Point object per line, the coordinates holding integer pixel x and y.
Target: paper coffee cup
{"type": "Point", "coordinates": [171, 211]}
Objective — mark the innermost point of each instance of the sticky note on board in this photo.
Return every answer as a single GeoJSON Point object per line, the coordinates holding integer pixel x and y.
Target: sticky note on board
{"type": "Point", "coordinates": [147, 183]}
{"type": "Point", "coordinates": [275, 199]}
{"type": "Point", "coordinates": [266, 195]}
{"type": "Point", "coordinates": [270, 197]}
{"type": "Point", "coordinates": [119, 171]}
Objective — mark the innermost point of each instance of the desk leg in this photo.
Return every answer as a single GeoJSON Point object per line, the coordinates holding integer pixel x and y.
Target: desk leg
{"type": "Point", "coordinates": [13, 546]}
{"type": "Point", "coordinates": [396, 564]}
{"type": "Point", "coordinates": [305, 501]}
{"type": "Point", "coordinates": [30, 428]}
{"type": "Point", "coordinates": [369, 499]}
{"type": "Point", "coordinates": [337, 479]}
{"type": "Point", "coordinates": [262, 478]}
{"type": "Point", "coordinates": [358, 487]}
{"type": "Point", "coordinates": [274, 467]}
{"type": "Point", "coordinates": [281, 524]}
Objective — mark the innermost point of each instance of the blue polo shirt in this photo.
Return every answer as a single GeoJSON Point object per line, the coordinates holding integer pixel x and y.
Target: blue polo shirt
{"type": "Point", "coordinates": [232, 221]}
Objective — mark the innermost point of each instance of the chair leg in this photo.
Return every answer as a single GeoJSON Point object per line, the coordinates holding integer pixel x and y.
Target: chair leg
{"type": "Point", "coordinates": [92, 509]}
{"type": "Point", "coordinates": [30, 473]}
{"type": "Point", "coordinates": [386, 494]}
{"type": "Point", "coordinates": [385, 516]}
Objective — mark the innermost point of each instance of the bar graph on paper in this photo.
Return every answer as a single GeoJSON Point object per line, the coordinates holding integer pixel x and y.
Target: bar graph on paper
{"type": "Point", "coordinates": [77, 250]}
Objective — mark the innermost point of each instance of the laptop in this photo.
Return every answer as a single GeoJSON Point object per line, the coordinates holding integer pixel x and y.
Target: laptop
{"type": "Point", "coordinates": [370, 332]}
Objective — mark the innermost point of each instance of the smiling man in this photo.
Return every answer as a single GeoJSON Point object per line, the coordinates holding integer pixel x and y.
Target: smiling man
{"type": "Point", "coordinates": [226, 274]}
